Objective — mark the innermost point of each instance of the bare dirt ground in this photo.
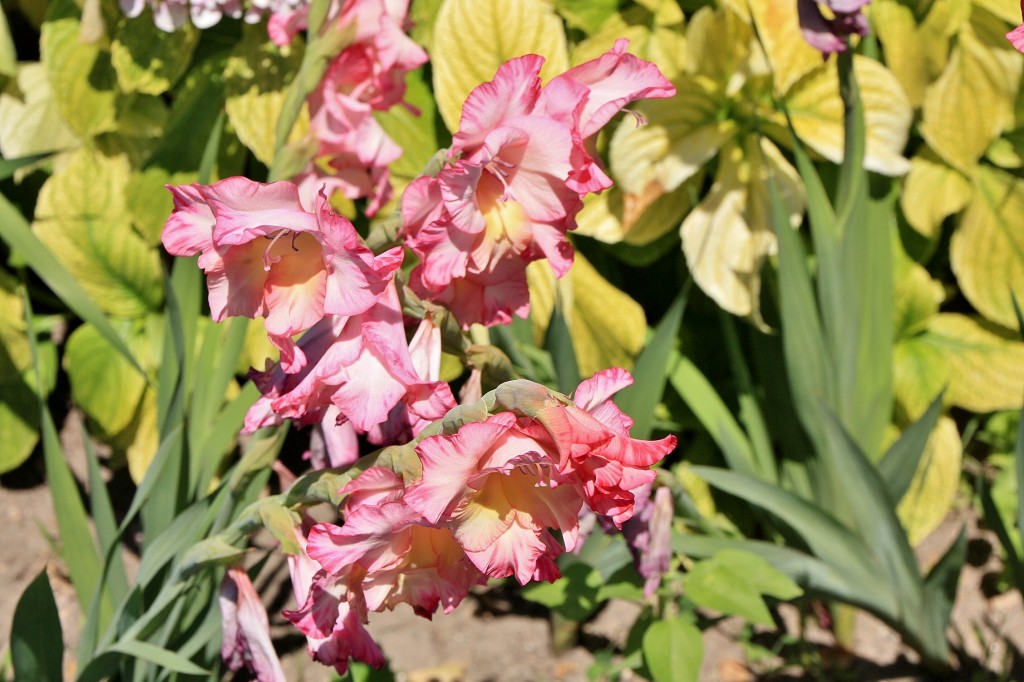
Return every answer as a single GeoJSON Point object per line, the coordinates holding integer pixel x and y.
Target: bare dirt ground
{"type": "Point", "coordinates": [493, 638]}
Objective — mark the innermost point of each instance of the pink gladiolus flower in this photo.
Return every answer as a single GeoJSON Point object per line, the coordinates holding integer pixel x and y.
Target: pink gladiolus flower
{"type": "Point", "coordinates": [592, 439]}
{"type": "Point", "coordinates": [1016, 36]}
{"type": "Point", "coordinates": [360, 364]}
{"type": "Point", "coordinates": [246, 629]}
{"type": "Point", "coordinates": [499, 492]}
{"type": "Point", "coordinates": [519, 168]}
{"type": "Point", "coordinates": [331, 617]}
{"type": "Point", "coordinates": [389, 552]}
{"type": "Point", "coordinates": [266, 256]}
{"type": "Point", "coordinates": [830, 35]}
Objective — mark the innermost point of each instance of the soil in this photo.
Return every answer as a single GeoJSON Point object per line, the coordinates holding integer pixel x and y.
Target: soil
{"type": "Point", "coordinates": [495, 637]}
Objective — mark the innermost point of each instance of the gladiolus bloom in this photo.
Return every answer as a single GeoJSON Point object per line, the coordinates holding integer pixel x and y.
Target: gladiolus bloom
{"type": "Point", "coordinates": [828, 35]}
{"type": "Point", "coordinates": [246, 629]}
{"type": "Point", "coordinates": [519, 168]}
{"type": "Point", "coordinates": [265, 256]}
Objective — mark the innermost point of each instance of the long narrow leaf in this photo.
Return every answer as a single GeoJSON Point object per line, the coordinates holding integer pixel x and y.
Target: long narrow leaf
{"type": "Point", "coordinates": [558, 342]}
{"type": "Point", "coordinates": [808, 364]}
{"type": "Point", "coordinates": [898, 466]}
{"type": "Point", "coordinates": [700, 396]}
{"type": "Point", "coordinates": [750, 410]}
{"type": "Point", "coordinates": [160, 656]}
{"type": "Point", "coordinates": [15, 230]}
{"type": "Point", "coordinates": [640, 400]}
{"type": "Point", "coordinates": [874, 513]}
{"type": "Point", "coordinates": [827, 538]}
{"type": "Point", "coordinates": [106, 523]}
{"type": "Point", "coordinates": [77, 547]}
{"type": "Point", "coordinates": [940, 593]}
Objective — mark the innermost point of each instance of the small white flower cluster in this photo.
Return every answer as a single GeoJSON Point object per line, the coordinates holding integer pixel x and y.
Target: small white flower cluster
{"type": "Point", "coordinates": [170, 15]}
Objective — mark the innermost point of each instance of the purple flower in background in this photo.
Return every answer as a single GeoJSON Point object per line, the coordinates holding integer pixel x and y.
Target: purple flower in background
{"type": "Point", "coordinates": [829, 34]}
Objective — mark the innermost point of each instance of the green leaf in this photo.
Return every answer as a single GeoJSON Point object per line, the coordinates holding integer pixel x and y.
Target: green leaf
{"type": "Point", "coordinates": [37, 641]}
{"type": "Point", "coordinates": [149, 203]}
{"type": "Point", "coordinates": [732, 582]}
{"type": "Point", "coordinates": [673, 650]}
{"type": "Point", "coordinates": [586, 15]}
{"type": "Point", "coordinates": [655, 33]}
{"type": "Point", "coordinates": [649, 375]}
{"type": "Point", "coordinates": [148, 59]}
{"type": "Point", "coordinates": [256, 76]}
{"type": "Point", "coordinates": [932, 191]}
{"type": "Point", "coordinates": [902, 459]}
{"type": "Point", "coordinates": [472, 38]}
{"type": "Point", "coordinates": [102, 382]}
{"type": "Point", "coordinates": [30, 122]}
{"type": "Point", "coordinates": [415, 134]}
{"type": "Point", "coordinates": [934, 488]}
{"type": "Point", "coordinates": [168, 660]}
{"type": "Point", "coordinates": [19, 413]}
{"type": "Point", "coordinates": [826, 537]}
{"type": "Point", "coordinates": [81, 76]}
{"type": "Point", "coordinates": [573, 596]}
{"type": "Point", "coordinates": [607, 326]}
{"type": "Point", "coordinates": [15, 231]}
{"type": "Point", "coordinates": [558, 342]}
{"type": "Point", "coordinates": [701, 397]}
{"type": "Point", "coordinates": [82, 218]}
{"type": "Point", "coordinates": [106, 524]}
{"type": "Point", "coordinates": [987, 250]}
{"type": "Point", "coordinates": [8, 55]}
{"type": "Point", "coordinates": [281, 523]}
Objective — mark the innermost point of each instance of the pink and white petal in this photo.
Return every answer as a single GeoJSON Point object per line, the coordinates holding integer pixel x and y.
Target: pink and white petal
{"type": "Point", "coordinates": [514, 553]}
{"type": "Point", "coordinates": [295, 292]}
{"type": "Point", "coordinates": [245, 209]}
{"type": "Point", "coordinates": [615, 79]}
{"type": "Point", "coordinates": [538, 149]}
{"type": "Point", "coordinates": [374, 486]}
{"type": "Point", "coordinates": [513, 91]}
{"type": "Point", "coordinates": [246, 639]}
{"type": "Point", "coordinates": [189, 229]}
{"type": "Point", "coordinates": [448, 464]}
{"type": "Point", "coordinates": [237, 283]}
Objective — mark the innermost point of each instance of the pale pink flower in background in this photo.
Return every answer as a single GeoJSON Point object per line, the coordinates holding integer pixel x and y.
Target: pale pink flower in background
{"type": "Point", "coordinates": [368, 75]}
{"type": "Point", "coordinates": [519, 168]}
{"type": "Point", "coordinates": [1016, 36]}
{"type": "Point", "coordinates": [388, 551]}
{"type": "Point", "coordinates": [265, 256]}
{"type": "Point", "coordinates": [829, 35]}
{"type": "Point", "coordinates": [360, 364]}
{"type": "Point", "coordinates": [246, 629]}
{"type": "Point", "coordinates": [498, 492]}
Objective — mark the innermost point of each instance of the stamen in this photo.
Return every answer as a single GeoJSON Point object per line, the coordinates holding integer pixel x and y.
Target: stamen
{"type": "Point", "coordinates": [266, 252]}
{"type": "Point", "coordinates": [295, 235]}
{"type": "Point", "coordinates": [641, 120]}
{"type": "Point", "coordinates": [497, 166]}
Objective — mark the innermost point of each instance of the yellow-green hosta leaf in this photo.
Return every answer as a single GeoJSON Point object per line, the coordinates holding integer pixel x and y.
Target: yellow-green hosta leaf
{"type": "Point", "coordinates": [663, 43]}
{"type": "Point", "coordinates": [790, 56]}
{"type": "Point", "coordinates": [82, 80]}
{"type": "Point", "coordinates": [607, 326]}
{"type": "Point", "coordinates": [971, 103]}
{"type": "Point", "coordinates": [817, 112]}
{"type": "Point", "coordinates": [256, 76]}
{"type": "Point", "coordinates": [920, 372]}
{"type": "Point", "coordinates": [903, 42]}
{"type": "Point", "coordinates": [681, 135]}
{"type": "Point", "coordinates": [718, 46]}
{"type": "Point", "coordinates": [587, 15]}
{"type": "Point", "coordinates": [728, 235]}
{"type": "Point", "coordinates": [916, 298]}
{"type": "Point", "coordinates": [935, 483]}
{"type": "Point", "coordinates": [987, 249]}
{"type": "Point", "coordinates": [83, 218]}
{"type": "Point", "coordinates": [613, 217]}
{"type": "Point", "coordinates": [19, 409]}
{"type": "Point", "coordinates": [148, 59]}
{"type": "Point", "coordinates": [148, 201]}
{"type": "Point", "coordinates": [472, 38]}
{"type": "Point", "coordinates": [986, 362]}
{"type": "Point", "coordinates": [30, 122]}
{"type": "Point", "coordinates": [932, 191]}
{"type": "Point", "coordinates": [141, 439]}
{"type": "Point", "coordinates": [103, 384]}
{"type": "Point", "coordinates": [1007, 11]}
